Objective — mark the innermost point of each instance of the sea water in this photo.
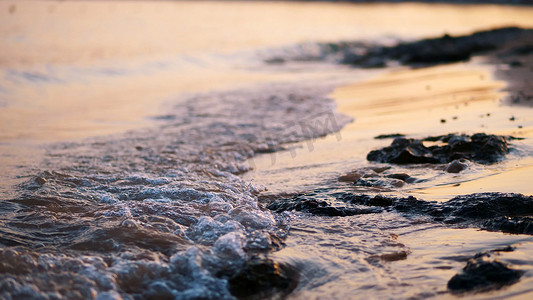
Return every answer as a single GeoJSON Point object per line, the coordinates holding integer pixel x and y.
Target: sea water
{"type": "Point", "coordinates": [130, 141]}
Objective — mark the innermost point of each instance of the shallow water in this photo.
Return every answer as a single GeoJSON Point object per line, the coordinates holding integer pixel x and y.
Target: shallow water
{"type": "Point", "coordinates": [62, 62]}
{"type": "Point", "coordinates": [170, 208]}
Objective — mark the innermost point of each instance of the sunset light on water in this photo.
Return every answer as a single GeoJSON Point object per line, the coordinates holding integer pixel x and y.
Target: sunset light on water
{"type": "Point", "coordinates": [265, 150]}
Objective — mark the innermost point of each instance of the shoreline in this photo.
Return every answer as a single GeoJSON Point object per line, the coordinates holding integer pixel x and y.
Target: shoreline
{"type": "Point", "coordinates": [448, 206]}
{"type": "Point", "coordinates": [465, 98]}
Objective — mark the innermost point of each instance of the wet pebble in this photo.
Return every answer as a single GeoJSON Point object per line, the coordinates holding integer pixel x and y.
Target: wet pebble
{"type": "Point", "coordinates": [350, 177]}
{"type": "Point", "coordinates": [402, 176]}
{"type": "Point", "coordinates": [456, 166]}
{"type": "Point", "coordinates": [483, 274]}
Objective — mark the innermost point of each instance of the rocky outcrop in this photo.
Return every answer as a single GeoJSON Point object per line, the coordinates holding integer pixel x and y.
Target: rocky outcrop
{"type": "Point", "coordinates": [480, 148]}
{"type": "Point", "coordinates": [506, 212]}
{"type": "Point", "coordinates": [433, 51]}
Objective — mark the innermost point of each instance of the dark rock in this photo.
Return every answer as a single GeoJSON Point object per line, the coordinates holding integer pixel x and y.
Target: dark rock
{"type": "Point", "coordinates": [296, 203]}
{"type": "Point", "coordinates": [263, 278]}
{"type": "Point", "coordinates": [434, 51]}
{"type": "Point", "coordinates": [511, 213]}
{"type": "Point", "coordinates": [456, 166]}
{"type": "Point", "coordinates": [316, 207]}
{"type": "Point", "coordinates": [350, 177]}
{"type": "Point", "coordinates": [507, 248]}
{"type": "Point", "coordinates": [516, 225]}
{"type": "Point", "coordinates": [497, 211]}
{"type": "Point", "coordinates": [518, 50]}
{"type": "Point", "coordinates": [480, 147]}
{"type": "Point", "coordinates": [403, 151]}
{"type": "Point", "coordinates": [451, 49]}
{"type": "Point", "coordinates": [377, 200]}
{"type": "Point", "coordinates": [380, 182]}
{"type": "Point", "coordinates": [380, 201]}
{"type": "Point", "coordinates": [370, 62]}
{"type": "Point", "coordinates": [506, 212]}
{"type": "Point", "coordinates": [377, 177]}
{"type": "Point", "coordinates": [380, 169]}
{"type": "Point", "coordinates": [360, 199]}
{"type": "Point", "coordinates": [414, 205]}
{"type": "Point", "coordinates": [401, 176]}
{"type": "Point", "coordinates": [338, 211]}
{"type": "Point", "coordinates": [481, 274]}
{"type": "Point", "coordinates": [388, 136]}
{"type": "Point", "coordinates": [489, 253]}
{"type": "Point", "coordinates": [365, 61]}
{"type": "Point", "coordinates": [489, 205]}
